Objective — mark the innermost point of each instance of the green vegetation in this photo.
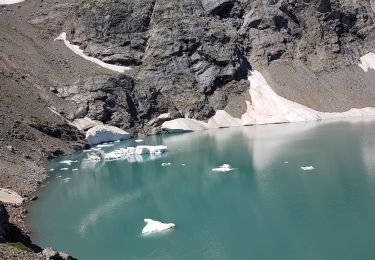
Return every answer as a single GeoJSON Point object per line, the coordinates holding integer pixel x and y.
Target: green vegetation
{"type": "Point", "coordinates": [20, 246]}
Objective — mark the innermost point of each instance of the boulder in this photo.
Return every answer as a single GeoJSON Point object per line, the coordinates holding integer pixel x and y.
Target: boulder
{"type": "Point", "coordinates": [105, 133]}
{"type": "Point", "coordinates": [84, 124]}
{"type": "Point", "coordinates": [9, 196]}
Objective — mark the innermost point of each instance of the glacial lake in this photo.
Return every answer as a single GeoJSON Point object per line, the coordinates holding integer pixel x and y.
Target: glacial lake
{"type": "Point", "coordinates": [267, 208]}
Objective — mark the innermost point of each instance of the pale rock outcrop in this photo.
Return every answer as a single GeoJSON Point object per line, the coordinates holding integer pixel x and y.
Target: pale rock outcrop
{"type": "Point", "coordinates": [9, 196]}
{"type": "Point", "coordinates": [105, 133]}
{"type": "Point", "coordinates": [84, 124]}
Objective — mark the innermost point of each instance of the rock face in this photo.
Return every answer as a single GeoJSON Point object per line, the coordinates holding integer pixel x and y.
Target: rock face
{"type": "Point", "coordinates": [191, 58]}
{"type": "Point", "coordinates": [104, 133]}
{"type": "Point", "coordinates": [4, 222]}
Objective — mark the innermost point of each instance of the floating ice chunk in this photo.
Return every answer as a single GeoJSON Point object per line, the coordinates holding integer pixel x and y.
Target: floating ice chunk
{"type": "Point", "coordinates": [153, 226]}
{"type": "Point", "coordinates": [68, 162]}
{"type": "Point", "coordinates": [145, 149]}
{"type": "Point", "coordinates": [308, 168]}
{"type": "Point", "coordinates": [223, 168]}
{"type": "Point", "coordinates": [76, 169]}
{"type": "Point", "coordinates": [105, 145]}
{"type": "Point", "coordinates": [78, 51]}
{"type": "Point", "coordinates": [165, 164]}
{"type": "Point", "coordinates": [138, 140]}
{"type": "Point", "coordinates": [286, 162]}
{"type": "Point", "coordinates": [183, 164]}
{"type": "Point", "coordinates": [51, 170]}
{"type": "Point", "coordinates": [67, 179]}
{"type": "Point", "coordinates": [58, 176]}
{"type": "Point", "coordinates": [64, 169]}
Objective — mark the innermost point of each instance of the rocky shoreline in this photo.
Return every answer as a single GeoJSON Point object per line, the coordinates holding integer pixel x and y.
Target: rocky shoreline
{"type": "Point", "coordinates": [188, 59]}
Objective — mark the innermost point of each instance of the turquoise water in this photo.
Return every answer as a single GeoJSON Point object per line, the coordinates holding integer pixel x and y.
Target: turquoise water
{"type": "Point", "coordinates": [268, 208]}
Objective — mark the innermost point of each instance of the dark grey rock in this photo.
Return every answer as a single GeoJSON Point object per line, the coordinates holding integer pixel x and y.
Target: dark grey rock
{"type": "Point", "coordinates": [4, 222]}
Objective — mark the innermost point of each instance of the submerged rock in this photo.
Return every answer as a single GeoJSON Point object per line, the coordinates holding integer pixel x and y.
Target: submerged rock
{"type": "Point", "coordinates": [105, 133]}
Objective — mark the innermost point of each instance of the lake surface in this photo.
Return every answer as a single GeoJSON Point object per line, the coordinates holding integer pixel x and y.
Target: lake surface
{"type": "Point", "coordinates": [268, 208]}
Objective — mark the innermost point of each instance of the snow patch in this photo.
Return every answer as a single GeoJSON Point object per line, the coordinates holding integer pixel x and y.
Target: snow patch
{"type": "Point", "coordinates": [78, 51]}
{"type": "Point", "coordinates": [367, 61]}
{"type": "Point", "coordinates": [10, 2]}
{"type": "Point", "coordinates": [267, 107]}
{"type": "Point", "coordinates": [153, 226]}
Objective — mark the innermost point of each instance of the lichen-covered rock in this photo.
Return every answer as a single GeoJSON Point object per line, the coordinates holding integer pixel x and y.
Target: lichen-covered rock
{"type": "Point", "coordinates": [105, 133]}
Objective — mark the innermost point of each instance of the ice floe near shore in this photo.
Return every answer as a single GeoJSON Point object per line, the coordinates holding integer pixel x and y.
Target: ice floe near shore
{"type": "Point", "coordinates": [79, 52]}
{"type": "Point", "coordinates": [153, 226]}
{"type": "Point", "coordinates": [267, 107]}
{"type": "Point", "coordinates": [104, 134]}
{"type": "Point", "coordinates": [131, 154]}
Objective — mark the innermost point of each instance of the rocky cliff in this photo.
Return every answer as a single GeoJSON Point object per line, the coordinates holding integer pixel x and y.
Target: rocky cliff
{"type": "Point", "coordinates": [188, 58]}
{"type": "Point", "coordinates": [192, 57]}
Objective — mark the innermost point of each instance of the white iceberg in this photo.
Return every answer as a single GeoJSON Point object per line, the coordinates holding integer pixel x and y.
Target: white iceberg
{"type": "Point", "coordinates": [105, 145]}
{"type": "Point", "coordinates": [104, 134]}
{"type": "Point", "coordinates": [223, 168]}
{"type": "Point", "coordinates": [138, 140]}
{"type": "Point", "coordinates": [153, 226]}
{"type": "Point", "coordinates": [147, 149]}
{"type": "Point", "coordinates": [308, 168]}
{"type": "Point", "coordinates": [133, 154]}
{"type": "Point", "coordinates": [165, 164]}
{"type": "Point", "coordinates": [68, 162]}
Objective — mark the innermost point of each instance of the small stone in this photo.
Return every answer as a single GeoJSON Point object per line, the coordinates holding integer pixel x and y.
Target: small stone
{"type": "Point", "coordinates": [10, 148]}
